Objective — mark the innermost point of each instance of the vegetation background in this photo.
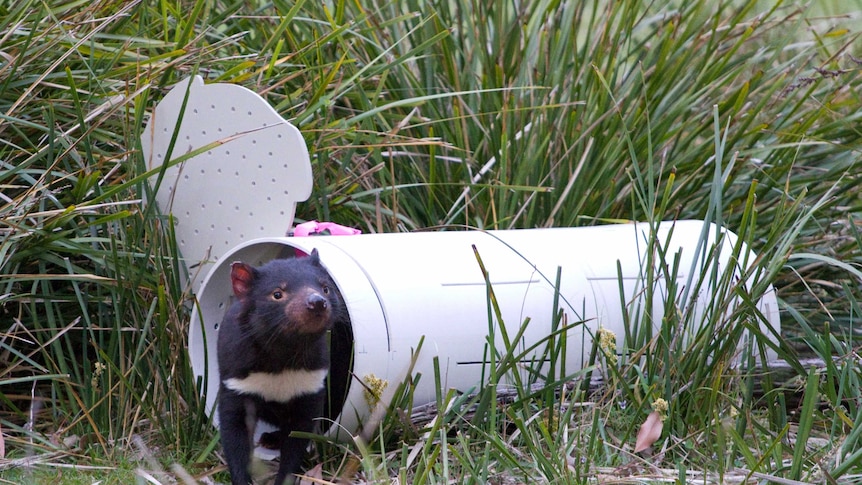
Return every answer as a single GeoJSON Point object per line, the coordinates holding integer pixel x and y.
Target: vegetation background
{"type": "Point", "coordinates": [444, 114]}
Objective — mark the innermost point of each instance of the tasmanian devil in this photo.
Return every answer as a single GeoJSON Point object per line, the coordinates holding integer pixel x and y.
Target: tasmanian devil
{"type": "Point", "coordinates": [273, 359]}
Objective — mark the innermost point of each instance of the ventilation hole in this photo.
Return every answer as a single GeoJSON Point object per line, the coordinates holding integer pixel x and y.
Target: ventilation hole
{"type": "Point", "coordinates": [264, 125]}
{"type": "Point", "coordinates": [226, 243]}
{"type": "Point", "coordinates": [203, 206]}
{"type": "Point", "coordinates": [212, 227]}
{"type": "Point", "coordinates": [268, 198]}
{"type": "Point", "coordinates": [279, 135]}
{"type": "Point", "coordinates": [260, 166]}
{"type": "Point", "coordinates": [219, 129]}
{"type": "Point", "coordinates": [242, 236]}
{"type": "Point", "coordinates": [273, 180]}
{"type": "Point", "coordinates": [195, 110]}
{"type": "Point", "coordinates": [251, 214]}
{"type": "Point", "coordinates": [286, 192]}
{"type": "Point", "coordinates": [188, 137]}
{"type": "Point", "coordinates": [188, 214]}
{"type": "Point", "coordinates": [243, 156]}
{"type": "Point", "coordinates": [285, 166]}
{"type": "Point", "coordinates": [220, 305]}
{"type": "Point", "coordinates": [186, 176]}
{"type": "Point", "coordinates": [218, 171]}
{"type": "Point", "coordinates": [253, 141]}
{"type": "Point", "coordinates": [233, 108]}
{"type": "Point", "coordinates": [204, 132]}
{"type": "Point", "coordinates": [236, 208]}
{"type": "Point", "coordinates": [219, 202]}
{"type": "Point", "coordinates": [212, 106]}
{"type": "Point", "coordinates": [165, 129]}
{"type": "Point", "coordinates": [197, 232]}
{"type": "Point", "coordinates": [249, 113]}
{"type": "Point", "coordinates": [215, 327]}
{"type": "Point", "coordinates": [159, 156]}
{"type": "Point", "coordinates": [281, 213]}
{"type": "Point", "coordinates": [253, 183]}
{"type": "Point", "coordinates": [182, 242]}
{"type": "Point", "coordinates": [209, 153]}
{"type": "Point", "coordinates": [270, 153]}
{"type": "Point", "coordinates": [227, 152]}
{"type": "Point", "coordinates": [261, 229]}
{"type": "Point", "coordinates": [203, 171]}
{"type": "Point", "coordinates": [228, 228]}
{"type": "Point", "coordinates": [236, 174]}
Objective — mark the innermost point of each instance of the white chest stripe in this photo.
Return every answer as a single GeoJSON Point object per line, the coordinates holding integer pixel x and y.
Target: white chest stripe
{"type": "Point", "coordinates": [279, 387]}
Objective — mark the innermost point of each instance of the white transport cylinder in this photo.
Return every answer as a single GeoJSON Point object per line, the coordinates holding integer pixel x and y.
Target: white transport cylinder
{"type": "Point", "coordinates": [399, 288]}
{"type": "Point", "coordinates": [233, 199]}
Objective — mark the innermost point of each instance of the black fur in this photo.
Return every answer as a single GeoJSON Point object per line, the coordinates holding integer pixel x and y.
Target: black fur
{"type": "Point", "coordinates": [278, 321]}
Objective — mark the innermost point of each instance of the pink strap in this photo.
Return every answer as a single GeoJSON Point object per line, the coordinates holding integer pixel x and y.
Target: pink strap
{"type": "Point", "coordinates": [314, 227]}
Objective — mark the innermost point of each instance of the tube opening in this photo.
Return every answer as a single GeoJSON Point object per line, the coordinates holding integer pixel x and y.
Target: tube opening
{"type": "Point", "coordinates": [215, 299]}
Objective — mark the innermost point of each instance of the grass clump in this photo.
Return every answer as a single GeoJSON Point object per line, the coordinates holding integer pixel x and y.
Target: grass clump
{"type": "Point", "coordinates": [487, 115]}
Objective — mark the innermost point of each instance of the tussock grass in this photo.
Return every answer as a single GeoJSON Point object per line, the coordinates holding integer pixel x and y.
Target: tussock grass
{"type": "Point", "coordinates": [480, 114]}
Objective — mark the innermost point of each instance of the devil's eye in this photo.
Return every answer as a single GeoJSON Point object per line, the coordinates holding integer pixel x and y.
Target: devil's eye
{"type": "Point", "coordinates": [277, 295]}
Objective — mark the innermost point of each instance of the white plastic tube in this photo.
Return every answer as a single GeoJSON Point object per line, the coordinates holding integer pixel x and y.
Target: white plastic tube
{"type": "Point", "coordinates": [400, 288]}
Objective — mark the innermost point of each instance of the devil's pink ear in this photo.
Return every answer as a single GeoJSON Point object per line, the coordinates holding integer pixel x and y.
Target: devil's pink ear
{"type": "Point", "coordinates": [241, 278]}
{"type": "Point", "coordinates": [314, 257]}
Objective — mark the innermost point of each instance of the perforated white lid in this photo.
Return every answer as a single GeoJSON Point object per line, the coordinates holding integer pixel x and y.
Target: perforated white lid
{"type": "Point", "coordinates": [245, 183]}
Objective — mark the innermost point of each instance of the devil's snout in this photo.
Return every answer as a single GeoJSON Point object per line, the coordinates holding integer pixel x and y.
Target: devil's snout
{"type": "Point", "coordinates": [316, 302]}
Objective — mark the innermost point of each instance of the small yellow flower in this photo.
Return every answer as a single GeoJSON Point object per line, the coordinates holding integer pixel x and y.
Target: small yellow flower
{"type": "Point", "coordinates": [374, 387]}
{"type": "Point", "coordinates": [98, 369]}
{"type": "Point", "coordinates": [608, 344]}
{"type": "Point", "coordinates": [660, 406]}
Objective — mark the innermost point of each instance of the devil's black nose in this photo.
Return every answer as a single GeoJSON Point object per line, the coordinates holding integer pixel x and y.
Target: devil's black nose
{"type": "Point", "coordinates": [316, 302]}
